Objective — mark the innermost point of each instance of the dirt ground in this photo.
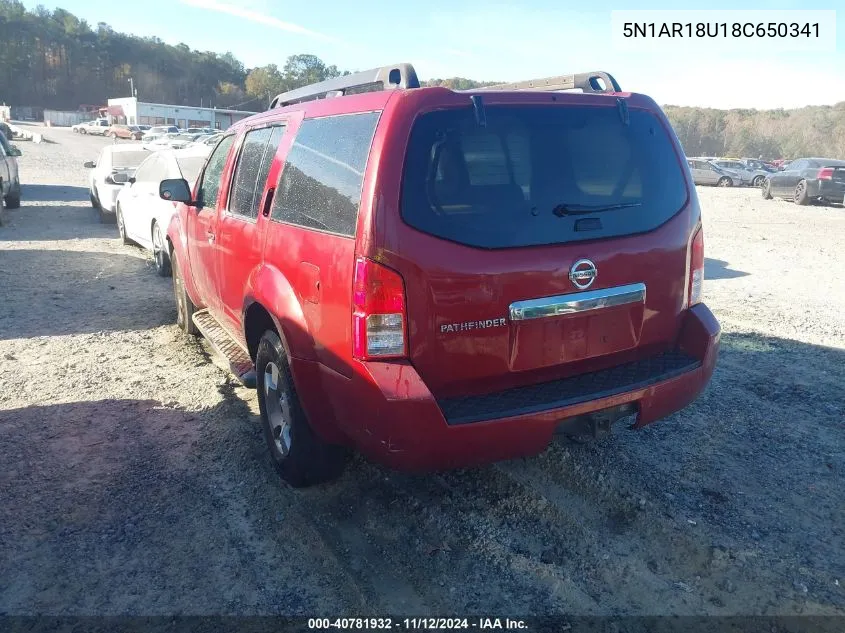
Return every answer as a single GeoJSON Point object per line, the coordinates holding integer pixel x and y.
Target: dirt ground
{"type": "Point", "coordinates": [134, 478]}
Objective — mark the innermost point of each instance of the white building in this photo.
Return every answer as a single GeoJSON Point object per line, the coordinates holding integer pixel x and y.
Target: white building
{"type": "Point", "coordinates": [130, 111]}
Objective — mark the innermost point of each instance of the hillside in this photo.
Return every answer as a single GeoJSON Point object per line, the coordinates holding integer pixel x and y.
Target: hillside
{"type": "Point", "coordinates": [809, 131]}
{"type": "Point", "coordinates": [52, 59]}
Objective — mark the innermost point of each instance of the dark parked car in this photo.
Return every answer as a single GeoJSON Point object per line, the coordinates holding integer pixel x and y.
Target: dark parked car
{"type": "Point", "coordinates": [806, 180]}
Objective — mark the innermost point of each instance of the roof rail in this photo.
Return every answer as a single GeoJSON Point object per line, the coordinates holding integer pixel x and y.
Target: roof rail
{"type": "Point", "coordinates": [588, 82]}
{"type": "Point", "coordinates": [397, 76]}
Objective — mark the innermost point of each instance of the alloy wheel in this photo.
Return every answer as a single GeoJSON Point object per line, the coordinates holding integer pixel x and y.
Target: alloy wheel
{"type": "Point", "coordinates": [278, 407]}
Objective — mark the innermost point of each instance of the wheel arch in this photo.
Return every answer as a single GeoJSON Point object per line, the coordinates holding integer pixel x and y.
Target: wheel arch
{"type": "Point", "coordinates": [306, 374]}
{"type": "Point", "coordinates": [269, 290]}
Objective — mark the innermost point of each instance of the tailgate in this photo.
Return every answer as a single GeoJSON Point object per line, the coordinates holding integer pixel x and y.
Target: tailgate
{"type": "Point", "coordinates": [550, 241]}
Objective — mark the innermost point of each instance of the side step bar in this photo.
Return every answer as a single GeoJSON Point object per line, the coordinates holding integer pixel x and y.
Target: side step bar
{"type": "Point", "coordinates": [240, 364]}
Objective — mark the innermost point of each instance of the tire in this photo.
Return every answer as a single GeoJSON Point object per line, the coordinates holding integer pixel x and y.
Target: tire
{"type": "Point", "coordinates": [13, 200]}
{"type": "Point", "coordinates": [121, 226]}
{"type": "Point", "coordinates": [185, 308]}
{"type": "Point", "coordinates": [724, 181]}
{"type": "Point", "coordinates": [766, 189]}
{"type": "Point", "coordinates": [83, 131]}
{"type": "Point", "coordinates": [160, 254]}
{"type": "Point", "coordinates": [299, 455]}
{"type": "Point", "coordinates": [800, 194]}
{"type": "Point", "coordinates": [758, 181]}
{"type": "Point", "coordinates": [95, 201]}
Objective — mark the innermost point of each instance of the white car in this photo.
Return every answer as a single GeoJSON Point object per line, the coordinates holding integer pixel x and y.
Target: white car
{"type": "Point", "coordinates": [114, 167]}
{"type": "Point", "coordinates": [98, 126]}
{"type": "Point", "coordinates": [142, 216]}
{"type": "Point", "coordinates": [155, 142]}
{"type": "Point", "coordinates": [171, 141]}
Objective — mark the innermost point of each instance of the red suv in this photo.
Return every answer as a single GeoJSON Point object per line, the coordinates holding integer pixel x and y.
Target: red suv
{"type": "Point", "coordinates": [441, 278]}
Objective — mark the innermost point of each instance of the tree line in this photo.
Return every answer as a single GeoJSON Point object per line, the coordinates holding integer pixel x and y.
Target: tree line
{"type": "Point", "coordinates": [52, 59]}
{"type": "Point", "coordinates": [809, 131]}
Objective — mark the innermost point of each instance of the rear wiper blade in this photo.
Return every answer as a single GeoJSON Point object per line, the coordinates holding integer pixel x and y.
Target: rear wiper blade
{"type": "Point", "coordinates": [583, 209]}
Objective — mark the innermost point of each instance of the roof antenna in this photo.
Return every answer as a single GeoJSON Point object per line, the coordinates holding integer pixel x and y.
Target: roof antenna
{"type": "Point", "coordinates": [480, 114]}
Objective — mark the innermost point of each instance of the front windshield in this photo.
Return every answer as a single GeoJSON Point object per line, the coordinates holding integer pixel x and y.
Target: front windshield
{"type": "Point", "coordinates": [128, 160]}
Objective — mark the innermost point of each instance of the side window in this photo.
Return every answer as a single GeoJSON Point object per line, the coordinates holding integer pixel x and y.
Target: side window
{"type": "Point", "coordinates": [250, 176]}
{"type": "Point", "coordinates": [210, 185]}
{"type": "Point", "coordinates": [320, 187]}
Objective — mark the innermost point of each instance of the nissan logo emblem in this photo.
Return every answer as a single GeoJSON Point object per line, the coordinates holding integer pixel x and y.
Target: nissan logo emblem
{"type": "Point", "coordinates": [583, 273]}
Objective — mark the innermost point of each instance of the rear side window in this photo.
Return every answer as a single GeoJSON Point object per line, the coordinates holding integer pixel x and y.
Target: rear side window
{"type": "Point", "coordinates": [530, 175]}
{"type": "Point", "coordinates": [321, 182]}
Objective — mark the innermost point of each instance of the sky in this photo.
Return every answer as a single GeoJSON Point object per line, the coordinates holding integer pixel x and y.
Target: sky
{"type": "Point", "coordinates": [495, 40]}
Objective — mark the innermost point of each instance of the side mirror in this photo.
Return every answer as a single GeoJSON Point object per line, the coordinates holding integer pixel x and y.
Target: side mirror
{"type": "Point", "coordinates": [89, 164]}
{"type": "Point", "coordinates": [14, 151]}
{"type": "Point", "coordinates": [132, 180]}
{"type": "Point", "coordinates": [119, 178]}
{"type": "Point", "coordinates": [175, 190]}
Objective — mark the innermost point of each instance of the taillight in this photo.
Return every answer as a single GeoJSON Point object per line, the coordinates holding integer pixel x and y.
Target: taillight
{"type": "Point", "coordinates": [379, 314]}
{"type": "Point", "coordinates": [825, 173]}
{"type": "Point", "coordinates": [696, 268]}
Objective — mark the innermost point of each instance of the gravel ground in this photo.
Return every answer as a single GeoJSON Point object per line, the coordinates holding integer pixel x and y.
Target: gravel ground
{"type": "Point", "coordinates": [135, 478]}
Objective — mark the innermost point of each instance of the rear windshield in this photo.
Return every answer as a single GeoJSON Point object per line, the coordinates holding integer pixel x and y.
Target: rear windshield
{"type": "Point", "coordinates": [128, 160]}
{"type": "Point", "coordinates": [539, 175]}
{"type": "Point", "coordinates": [190, 166]}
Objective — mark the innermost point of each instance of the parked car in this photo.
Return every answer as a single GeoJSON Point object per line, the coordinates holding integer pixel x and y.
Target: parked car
{"type": "Point", "coordinates": [807, 180]}
{"type": "Point", "coordinates": [756, 163]}
{"type": "Point", "coordinates": [749, 175]}
{"type": "Point", "coordinates": [125, 131]}
{"type": "Point", "coordinates": [144, 128]}
{"type": "Point", "coordinates": [10, 181]}
{"type": "Point", "coordinates": [171, 141]}
{"type": "Point", "coordinates": [98, 126]}
{"type": "Point", "coordinates": [443, 278]}
{"type": "Point", "coordinates": [155, 142]}
{"type": "Point", "coordinates": [208, 139]}
{"type": "Point", "coordinates": [163, 129]}
{"type": "Point", "coordinates": [705, 172]}
{"type": "Point", "coordinates": [141, 215]}
{"type": "Point", "coordinates": [114, 167]}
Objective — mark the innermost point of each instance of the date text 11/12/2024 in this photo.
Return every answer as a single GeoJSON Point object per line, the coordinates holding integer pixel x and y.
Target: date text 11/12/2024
{"type": "Point", "coordinates": [418, 624]}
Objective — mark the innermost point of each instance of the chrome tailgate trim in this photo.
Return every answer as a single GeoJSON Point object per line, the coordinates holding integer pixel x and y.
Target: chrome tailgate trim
{"type": "Point", "coordinates": [577, 302]}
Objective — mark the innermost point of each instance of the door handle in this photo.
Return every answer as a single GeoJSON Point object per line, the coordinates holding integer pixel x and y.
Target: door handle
{"type": "Point", "coordinates": [268, 202]}
{"type": "Point", "coordinates": [210, 236]}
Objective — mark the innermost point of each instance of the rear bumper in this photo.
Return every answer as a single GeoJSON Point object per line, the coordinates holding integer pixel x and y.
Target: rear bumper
{"type": "Point", "coordinates": [828, 189]}
{"type": "Point", "coordinates": [386, 411]}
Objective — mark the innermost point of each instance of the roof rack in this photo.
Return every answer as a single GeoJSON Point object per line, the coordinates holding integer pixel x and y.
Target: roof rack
{"type": "Point", "coordinates": [397, 76]}
{"type": "Point", "coordinates": [588, 82]}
